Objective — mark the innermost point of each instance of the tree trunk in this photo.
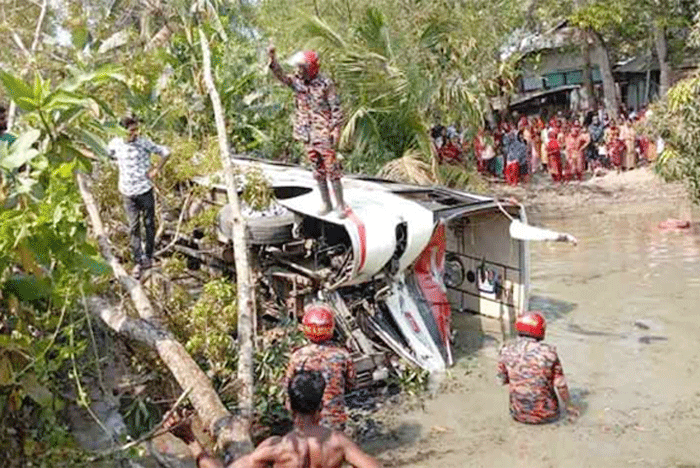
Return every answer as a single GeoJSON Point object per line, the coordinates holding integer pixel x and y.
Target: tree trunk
{"type": "Point", "coordinates": [662, 53]}
{"type": "Point", "coordinates": [147, 329]}
{"type": "Point", "coordinates": [590, 101]}
{"type": "Point", "coordinates": [240, 250]}
{"type": "Point", "coordinates": [609, 89]}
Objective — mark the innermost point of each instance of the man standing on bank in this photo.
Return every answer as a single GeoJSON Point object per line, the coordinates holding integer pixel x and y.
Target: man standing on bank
{"type": "Point", "coordinates": [133, 157]}
{"type": "Point", "coordinates": [317, 122]}
{"type": "Point", "coordinates": [533, 373]}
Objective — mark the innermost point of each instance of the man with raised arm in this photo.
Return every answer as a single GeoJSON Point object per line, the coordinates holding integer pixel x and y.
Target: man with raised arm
{"type": "Point", "coordinates": [317, 122]}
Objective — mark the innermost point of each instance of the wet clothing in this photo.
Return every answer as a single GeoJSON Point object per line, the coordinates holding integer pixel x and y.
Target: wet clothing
{"type": "Point", "coordinates": [338, 370]}
{"type": "Point", "coordinates": [532, 371]}
{"type": "Point", "coordinates": [316, 119]}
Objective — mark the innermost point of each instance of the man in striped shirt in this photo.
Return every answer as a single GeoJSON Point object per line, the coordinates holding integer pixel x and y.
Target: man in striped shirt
{"type": "Point", "coordinates": [133, 157]}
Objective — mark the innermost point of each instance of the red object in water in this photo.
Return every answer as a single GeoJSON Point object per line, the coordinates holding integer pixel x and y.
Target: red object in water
{"type": "Point", "coordinates": [429, 270]}
{"type": "Point", "coordinates": [671, 224]}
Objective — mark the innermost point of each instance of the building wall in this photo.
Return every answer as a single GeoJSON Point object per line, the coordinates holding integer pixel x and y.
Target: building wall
{"type": "Point", "coordinates": [557, 68]}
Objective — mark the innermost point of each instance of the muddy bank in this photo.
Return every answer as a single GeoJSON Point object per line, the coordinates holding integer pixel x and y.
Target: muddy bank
{"type": "Point", "coordinates": [622, 310]}
{"type": "Point", "coordinates": [608, 189]}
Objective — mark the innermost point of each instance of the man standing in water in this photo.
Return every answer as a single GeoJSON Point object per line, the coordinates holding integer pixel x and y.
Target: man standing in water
{"type": "Point", "coordinates": [533, 373]}
{"type": "Point", "coordinates": [133, 157]}
{"type": "Point", "coordinates": [317, 122]}
{"type": "Point", "coordinates": [308, 445]}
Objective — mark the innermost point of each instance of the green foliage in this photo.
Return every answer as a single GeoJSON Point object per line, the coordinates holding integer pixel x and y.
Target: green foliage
{"type": "Point", "coordinates": [257, 191]}
{"type": "Point", "coordinates": [411, 380]}
{"type": "Point", "coordinates": [204, 222]}
{"type": "Point", "coordinates": [47, 265]}
{"type": "Point", "coordinates": [677, 121]}
{"type": "Point", "coordinates": [399, 66]}
{"type": "Point", "coordinates": [210, 323]}
{"type": "Point", "coordinates": [270, 366]}
{"type": "Point", "coordinates": [460, 177]}
{"type": "Point", "coordinates": [600, 15]}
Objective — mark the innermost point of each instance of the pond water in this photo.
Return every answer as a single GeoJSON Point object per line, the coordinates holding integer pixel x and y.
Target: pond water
{"type": "Point", "coordinates": [623, 310]}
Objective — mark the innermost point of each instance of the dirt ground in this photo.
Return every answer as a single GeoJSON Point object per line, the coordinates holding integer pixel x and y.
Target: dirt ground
{"type": "Point", "coordinates": [622, 311]}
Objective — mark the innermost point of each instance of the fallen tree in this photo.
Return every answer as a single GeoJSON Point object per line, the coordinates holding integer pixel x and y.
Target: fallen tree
{"type": "Point", "coordinates": [229, 433]}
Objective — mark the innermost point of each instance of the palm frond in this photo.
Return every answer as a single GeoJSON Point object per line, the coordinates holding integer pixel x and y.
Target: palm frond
{"type": "Point", "coordinates": [372, 31]}
{"type": "Point", "coordinates": [460, 177]}
{"type": "Point", "coordinates": [411, 167]}
{"type": "Point", "coordinates": [317, 28]}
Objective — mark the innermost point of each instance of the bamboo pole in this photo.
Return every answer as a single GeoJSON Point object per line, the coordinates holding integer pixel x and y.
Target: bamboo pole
{"type": "Point", "coordinates": [240, 250]}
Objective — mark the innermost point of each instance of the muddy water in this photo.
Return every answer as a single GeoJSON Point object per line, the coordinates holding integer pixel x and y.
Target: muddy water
{"type": "Point", "coordinates": [623, 310]}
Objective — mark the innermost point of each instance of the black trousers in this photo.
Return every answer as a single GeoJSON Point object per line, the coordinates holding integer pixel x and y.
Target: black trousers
{"type": "Point", "coordinates": [135, 207]}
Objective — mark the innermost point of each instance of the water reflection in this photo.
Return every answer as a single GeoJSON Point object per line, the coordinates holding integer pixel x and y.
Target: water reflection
{"type": "Point", "coordinates": [622, 304]}
{"type": "Point", "coordinates": [622, 250]}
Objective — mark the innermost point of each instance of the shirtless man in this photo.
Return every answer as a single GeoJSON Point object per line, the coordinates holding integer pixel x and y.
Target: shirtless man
{"type": "Point", "coordinates": [309, 445]}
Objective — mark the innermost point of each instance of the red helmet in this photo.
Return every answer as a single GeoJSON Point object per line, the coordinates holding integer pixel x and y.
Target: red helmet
{"type": "Point", "coordinates": [311, 62]}
{"type": "Point", "coordinates": [531, 324]}
{"type": "Point", "coordinates": [318, 322]}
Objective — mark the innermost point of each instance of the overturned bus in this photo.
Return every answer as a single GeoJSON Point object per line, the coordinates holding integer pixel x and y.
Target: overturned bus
{"type": "Point", "coordinates": [395, 269]}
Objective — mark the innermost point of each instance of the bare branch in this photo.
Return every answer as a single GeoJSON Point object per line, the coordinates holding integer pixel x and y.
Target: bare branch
{"type": "Point", "coordinates": [246, 308]}
{"type": "Point", "coordinates": [39, 24]}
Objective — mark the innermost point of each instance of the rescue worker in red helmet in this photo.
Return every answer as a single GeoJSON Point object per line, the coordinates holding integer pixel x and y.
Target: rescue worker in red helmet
{"type": "Point", "coordinates": [533, 373]}
{"type": "Point", "coordinates": [318, 120]}
{"type": "Point", "coordinates": [333, 361]}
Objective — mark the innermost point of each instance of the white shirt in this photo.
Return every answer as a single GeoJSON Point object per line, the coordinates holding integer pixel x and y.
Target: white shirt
{"type": "Point", "coordinates": [133, 159]}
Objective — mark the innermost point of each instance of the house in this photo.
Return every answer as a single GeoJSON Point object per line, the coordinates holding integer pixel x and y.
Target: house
{"type": "Point", "coordinates": [552, 69]}
{"type": "Point", "coordinates": [638, 80]}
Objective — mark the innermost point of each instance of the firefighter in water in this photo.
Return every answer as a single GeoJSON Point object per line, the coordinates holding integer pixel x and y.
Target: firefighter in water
{"type": "Point", "coordinates": [533, 373]}
{"type": "Point", "coordinates": [332, 361]}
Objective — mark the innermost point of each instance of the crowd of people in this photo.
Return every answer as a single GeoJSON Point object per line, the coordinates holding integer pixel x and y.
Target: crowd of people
{"type": "Point", "coordinates": [565, 146]}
